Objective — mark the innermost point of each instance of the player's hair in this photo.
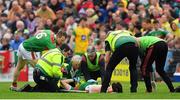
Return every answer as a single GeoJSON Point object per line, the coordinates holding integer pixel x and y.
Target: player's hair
{"type": "Point", "coordinates": [147, 20]}
{"type": "Point", "coordinates": [65, 48]}
{"type": "Point", "coordinates": [83, 18]}
{"type": "Point", "coordinates": [117, 87]}
{"type": "Point", "coordinates": [155, 22]}
{"type": "Point", "coordinates": [61, 33]}
{"type": "Point", "coordinates": [76, 58]}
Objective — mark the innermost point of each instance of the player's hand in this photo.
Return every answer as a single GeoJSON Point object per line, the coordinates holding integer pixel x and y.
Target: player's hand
{"type": "Point", "coordinates": [76, 79]}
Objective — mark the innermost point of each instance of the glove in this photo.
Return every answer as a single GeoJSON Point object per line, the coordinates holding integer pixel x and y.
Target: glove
{"type": "Point", "coordinates": [76, 79]}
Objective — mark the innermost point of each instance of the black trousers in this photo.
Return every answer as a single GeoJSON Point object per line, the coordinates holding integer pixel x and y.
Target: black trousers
{"type": "Point", "coordinates": [43, 82]}
{"type": "Point", "coordinates": [157, 53]}
{"type": "Point", "coordinates": [92, 74]}
{"type": "Point", "coordinates": [129, 50]}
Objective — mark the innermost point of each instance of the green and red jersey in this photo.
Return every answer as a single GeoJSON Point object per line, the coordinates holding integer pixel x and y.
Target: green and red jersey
{"type": "Point", "coordinates": [43, 40]}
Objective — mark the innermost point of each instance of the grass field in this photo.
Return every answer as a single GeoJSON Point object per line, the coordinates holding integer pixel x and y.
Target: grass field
{"type": "Point", "coordinates": [161, 93]}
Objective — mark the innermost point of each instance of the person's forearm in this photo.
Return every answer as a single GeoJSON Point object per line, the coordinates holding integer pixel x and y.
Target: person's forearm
{"type": "Point", "coordinates": [85, 70]}
{"type": "Point", "coordinates": [107, 58]}
{"type": "Point", "coordinates": [65, 83]}
{"type": "Point", "coordinates": [102, 69]}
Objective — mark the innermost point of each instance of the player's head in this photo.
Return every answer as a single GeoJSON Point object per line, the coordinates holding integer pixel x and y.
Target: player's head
{"type": "Point", "coordinates": [91, 52]}
{"type": "Point", "coordinates": [60, 37]}
{"type": "Point", "coordinates": [76, 61]}
{"type": "Point", "coordinates": [66, 50]}
{"type": "Point", "coordinates": [117, 87]}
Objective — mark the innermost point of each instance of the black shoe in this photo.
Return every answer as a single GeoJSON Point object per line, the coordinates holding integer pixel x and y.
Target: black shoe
{"type": "Point", "coordinates": [133, 91]}
{"type": "Point", "coordinates": [177, 89]}
{"type": "Point", "coordinates": [149, 90]}
{"type": "Point", "coordinates": [25, 88]}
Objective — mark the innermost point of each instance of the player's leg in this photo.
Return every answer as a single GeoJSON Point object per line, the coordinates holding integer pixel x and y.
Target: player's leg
{"type": "Point", "coordinates": [32, 58]}
{"type": "Point", "coordinates": [23, 57]}
{"type": "Point", "coordinates": [146, 67]}
{"type": "Point", "coordinates": [116, 57]}
{"type": "Point", "coordinates": [160, 62]}
{"type": "Point", "coordinates": [132, 56]}
{"type": "Point", "coordinates": [32, 62]}
{"type": "Point", "coordinates": [153, 77]}
{"type": "Point", "coordinates": [20, 65]}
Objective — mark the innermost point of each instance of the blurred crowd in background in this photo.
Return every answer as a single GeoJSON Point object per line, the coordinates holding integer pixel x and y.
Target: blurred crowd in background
{"type": "Point", "coordinates": [19, 20]}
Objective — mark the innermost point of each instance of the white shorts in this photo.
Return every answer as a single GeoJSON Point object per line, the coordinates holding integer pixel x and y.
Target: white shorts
{"type": "Point", "coordinates": [93, 88]}
{"type": "Point", "coordinates": [26, 55]}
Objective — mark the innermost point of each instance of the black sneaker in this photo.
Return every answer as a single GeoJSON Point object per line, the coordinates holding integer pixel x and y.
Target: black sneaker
{"type": "Point", "coordinates": [177, 89]}
{"type": "Point", "coordinates": [133, 91]}
{"type": "Point", "coordinates": [25, 88]}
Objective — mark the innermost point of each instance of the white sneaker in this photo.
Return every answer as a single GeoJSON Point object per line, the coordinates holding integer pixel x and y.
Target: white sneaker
{"type": "Point", "coordinates": [13, 88]}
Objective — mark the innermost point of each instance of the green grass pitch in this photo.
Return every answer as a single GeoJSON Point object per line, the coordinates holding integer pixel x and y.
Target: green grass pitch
{"type": "Point", "coordinates": [161, 93]}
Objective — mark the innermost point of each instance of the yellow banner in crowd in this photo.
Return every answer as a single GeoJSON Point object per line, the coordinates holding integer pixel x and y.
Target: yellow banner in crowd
{"type": "Point", "coordinates": [121, 72]}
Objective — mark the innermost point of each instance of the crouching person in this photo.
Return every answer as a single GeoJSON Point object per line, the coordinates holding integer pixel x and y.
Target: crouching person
{"type": "Point", "coordinates": [154, 49]}
{"type": "Point", "coordinates": [47, 71]}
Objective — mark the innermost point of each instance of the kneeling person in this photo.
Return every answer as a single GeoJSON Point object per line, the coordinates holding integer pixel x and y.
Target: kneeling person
{"type": "Point", "coordinates": [47, 71]}
{"type": "Point", "coordinates": [92, 64]}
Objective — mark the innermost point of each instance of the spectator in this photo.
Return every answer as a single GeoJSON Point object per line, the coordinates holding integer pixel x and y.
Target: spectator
{"type": "Point", "coordinates": [5, 44]}
{"type": "Point", "coordinates": [20, 26]}
{"type": "Point", "coordinates": [146, 26]}
{"type": "Point", "coordinates": [91, 17]}
{"type": "Point", "coordinates": [31, 22]}
{"type": "Point", "coordinates": [69, 9]}
{"type": "Point", "coordinates": [17, 40]}
{"type": "Point", "coordinates": [4, 19]}
{"type": "Point", "coordinates": [54, 5]}
{"type": "Point", "coordinates": [48, 24]}
{"type": "Point", "coordinates": [45, 12]}
{"type": "Point", "coordinates": [2, 6]}
{"type": "Point", "coordinates": [22, 3]}
{"type": "Point", "coordinates": [15, 9]}
{"type": "Point", "coordinates": [165, 23]}
{"type": "Point", "coordinates": [3, 29]}
{"type": "Point", "coordinates": [158, 32]}
{"type": "Point", "coordinates": [81, 35]}
{"type": "Point", "coordinates": [175, 29]}
{"type": "Point", "coordinates": [70, 26]}
{"type": "Point", "coordinates": [29, 7]}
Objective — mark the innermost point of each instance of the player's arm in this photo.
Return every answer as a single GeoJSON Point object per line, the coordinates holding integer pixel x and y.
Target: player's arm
{"type": "Point", "coordinates": [102, 66]}
{"type": "Point", "coordinates": [65, 83]}
{"type": "Point", "coordinates": [169, 37]}
{"type": "Point", "coordinates": [84, 68]}
{"type": "Point", "coordinates": [72, 40]}
{"type": "Point", "coordinates": [107, 53]}
{"type": "Point", "coordinates": [101, 60]}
